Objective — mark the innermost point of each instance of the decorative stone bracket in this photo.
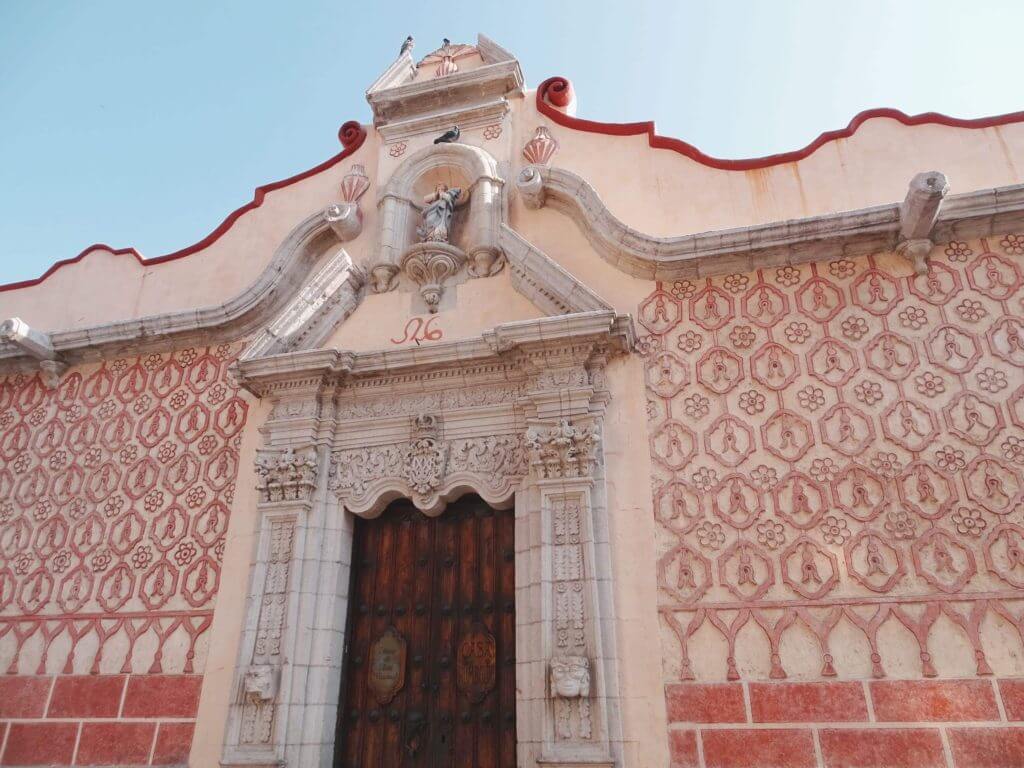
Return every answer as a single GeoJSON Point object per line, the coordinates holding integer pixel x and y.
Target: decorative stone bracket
{"type": "Point", "coordinates": [429, 265]}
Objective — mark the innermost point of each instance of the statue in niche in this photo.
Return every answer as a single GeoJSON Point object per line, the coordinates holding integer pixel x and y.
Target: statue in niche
{"type": "Point", "coordinates": [437, 216]}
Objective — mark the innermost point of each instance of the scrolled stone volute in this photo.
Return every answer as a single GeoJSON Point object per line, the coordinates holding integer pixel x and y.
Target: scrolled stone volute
{"type": "Point", "coordinates": [530, 185]}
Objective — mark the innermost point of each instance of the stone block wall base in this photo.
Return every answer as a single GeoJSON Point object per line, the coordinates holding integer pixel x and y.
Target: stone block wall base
{"type": "Point", "coordinates": [965, 723]}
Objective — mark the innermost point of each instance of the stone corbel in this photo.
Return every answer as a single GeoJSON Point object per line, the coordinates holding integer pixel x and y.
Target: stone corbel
{"type": "Point", "coordinates": [918, 213]}
{"type": "Point", "coordinates": [36, 344]}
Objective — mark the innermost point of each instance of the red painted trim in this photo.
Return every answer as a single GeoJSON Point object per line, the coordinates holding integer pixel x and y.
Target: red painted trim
{"type": "Point", "coordinates": [557, 91]}
{"type": "Point", "coordinates": [351, 134]}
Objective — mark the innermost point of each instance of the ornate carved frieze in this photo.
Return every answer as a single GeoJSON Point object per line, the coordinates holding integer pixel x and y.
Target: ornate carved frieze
{"type": "Point", "coordinates": [425, 466]}
{"type": "Point", "coordinates": [563, 450]}
{"type": "Point", "coordinates": [286, 475]}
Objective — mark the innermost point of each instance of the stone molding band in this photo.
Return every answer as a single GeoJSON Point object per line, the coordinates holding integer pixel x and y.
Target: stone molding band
{"type": "Point", "coordinates": [744, 249]}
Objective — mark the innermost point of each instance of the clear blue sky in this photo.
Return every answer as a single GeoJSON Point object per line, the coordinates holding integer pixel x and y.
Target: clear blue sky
{"type": "Point", "coordinates": [145, 123]}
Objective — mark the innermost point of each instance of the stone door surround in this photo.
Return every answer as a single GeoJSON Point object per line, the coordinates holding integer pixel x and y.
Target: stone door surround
{"type": "Point", "coordinates": [514, 416]}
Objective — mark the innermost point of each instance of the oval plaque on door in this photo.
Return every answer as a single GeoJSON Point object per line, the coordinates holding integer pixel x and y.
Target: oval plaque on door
{"type": "Point", "coordinates": [386, 674]}
{"type": "Point", "coordinates": [475, 672]}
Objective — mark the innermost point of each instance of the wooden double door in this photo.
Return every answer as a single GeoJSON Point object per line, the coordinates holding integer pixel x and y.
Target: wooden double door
{"type": "Point", "coordinates": [429, 671]}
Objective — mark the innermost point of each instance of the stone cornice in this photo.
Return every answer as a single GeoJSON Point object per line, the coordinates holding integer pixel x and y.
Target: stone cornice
{"type": "Point", "coordinates": [290, 371]}
{"type": "Point", "coordinates": [816, 238]}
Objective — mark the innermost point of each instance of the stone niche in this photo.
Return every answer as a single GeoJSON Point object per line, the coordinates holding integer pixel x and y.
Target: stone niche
{"type": "Point", "coordinates": [431, 238]}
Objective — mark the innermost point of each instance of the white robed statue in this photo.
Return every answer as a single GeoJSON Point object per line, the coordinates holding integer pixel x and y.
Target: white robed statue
{"type": "Point", "coordinates": [437, 216]}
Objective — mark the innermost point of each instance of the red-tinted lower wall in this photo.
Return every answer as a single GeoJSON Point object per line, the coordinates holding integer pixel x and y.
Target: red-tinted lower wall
{"type": "Point", "coordinates": [97, 719]}
{"type": "Point", "coordinates": [875, 724]}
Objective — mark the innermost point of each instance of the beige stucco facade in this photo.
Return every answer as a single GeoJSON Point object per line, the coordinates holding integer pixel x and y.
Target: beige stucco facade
{"type": "Point", "coordinates": [692, 357]}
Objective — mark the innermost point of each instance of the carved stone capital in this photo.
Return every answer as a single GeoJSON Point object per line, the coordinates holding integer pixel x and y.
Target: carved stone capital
{"type": "Point", "coordinates": [563, 450]}
{"type": "Point", "coordinates": [286, 475]}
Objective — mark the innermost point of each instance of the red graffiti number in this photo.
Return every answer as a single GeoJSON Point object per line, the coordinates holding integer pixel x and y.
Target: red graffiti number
{"type": "Point", "coordinates": [417, 330]}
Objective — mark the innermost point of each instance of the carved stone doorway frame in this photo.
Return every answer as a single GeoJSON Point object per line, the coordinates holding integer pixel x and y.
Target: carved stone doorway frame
{"type": "Point", "coordinates": [515, 416]}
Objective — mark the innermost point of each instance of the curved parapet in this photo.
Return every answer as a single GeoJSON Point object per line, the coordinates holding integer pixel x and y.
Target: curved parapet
{"type": "Point", "coordinates": [815, 238]}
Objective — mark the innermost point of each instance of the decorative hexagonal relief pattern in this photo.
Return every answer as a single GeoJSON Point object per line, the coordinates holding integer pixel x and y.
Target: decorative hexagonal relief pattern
{"type": "Point", "coordinates": [839, 444]}
{"type": "Point", "coordinates": [115, 490]}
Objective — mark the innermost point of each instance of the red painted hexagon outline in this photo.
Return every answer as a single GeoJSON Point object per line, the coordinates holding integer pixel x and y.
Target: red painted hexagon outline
{"type": "Point", "coordinates": [765, 305]}
{"type": "Point", "coordinates": [800, 497]}
{"type": "Point", "coordinates": [864, 578]}
{"type": "Point", "coordinates": [701, 583]}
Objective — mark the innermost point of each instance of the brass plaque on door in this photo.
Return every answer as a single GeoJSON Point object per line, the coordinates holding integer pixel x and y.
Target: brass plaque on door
{"type": "Point", "coordinates": [387, 665]}
{"type": "Point", "coordinates": [475, 663]}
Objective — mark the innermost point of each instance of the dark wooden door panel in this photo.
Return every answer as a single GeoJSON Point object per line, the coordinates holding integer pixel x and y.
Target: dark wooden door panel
{"type": "Point", "coordinates": [437, 596]}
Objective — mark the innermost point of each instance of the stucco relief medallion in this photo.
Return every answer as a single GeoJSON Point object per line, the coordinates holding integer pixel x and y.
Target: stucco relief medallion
{"type": "Point", "coordinates": [876, 291]}
{"type": "Point", "coordinates": [820, 299]}
{"type": "Point", "coordinates": [891, 355]}
{"type": "Point", "coordinates": [994, 276]}
{"type": "Point", "coordinates": [951, 348]}
{"type": "Point", "coordinates": [937, 285]}
{"type": "Point", "coordinates": [873, 561]}
{"type": "Point", "coordinates": [808, 569]}
{"type": "Point", "coordinates": [1006, 339]}
{"type": "Point", "coordinates": [720, 370]}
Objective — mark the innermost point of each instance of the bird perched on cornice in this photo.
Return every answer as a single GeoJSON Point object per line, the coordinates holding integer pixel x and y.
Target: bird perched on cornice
{"type": "Point", "coordinates": [445, 42]}
{"type": "Point", "coordinates": [407, 45]}
{"type": "Point", "coordinates": [449, 136]}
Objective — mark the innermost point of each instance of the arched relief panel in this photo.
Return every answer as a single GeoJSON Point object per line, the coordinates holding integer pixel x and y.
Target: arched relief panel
{"type": "Point", "coordinates": [470, 235]}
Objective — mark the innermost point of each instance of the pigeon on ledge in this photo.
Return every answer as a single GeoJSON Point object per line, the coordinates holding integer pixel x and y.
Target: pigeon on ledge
{"type": "Point", "coordinates": [449, 136]}
{"type": "Point", "coordinates": [407, 45]}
